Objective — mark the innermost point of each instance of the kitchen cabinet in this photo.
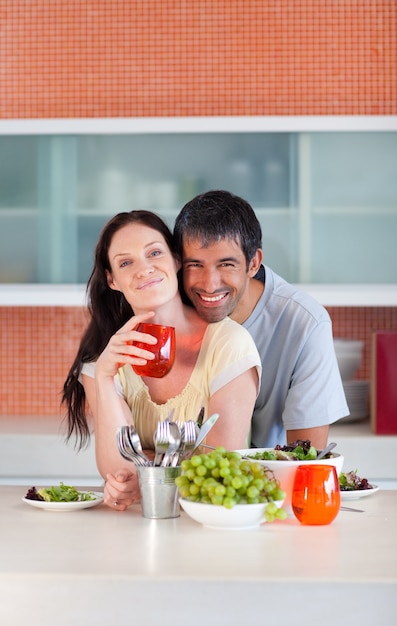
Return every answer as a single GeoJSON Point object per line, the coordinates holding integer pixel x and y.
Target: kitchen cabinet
{"type": "Point", "coordinates": [327, 201]}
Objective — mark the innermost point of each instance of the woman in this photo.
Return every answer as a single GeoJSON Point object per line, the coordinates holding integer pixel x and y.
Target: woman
{"type": "Point", "coordinates": [216, 365]}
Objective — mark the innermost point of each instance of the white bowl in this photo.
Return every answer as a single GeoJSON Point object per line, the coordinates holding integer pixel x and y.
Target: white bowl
{"type": "Point", "coordinates": [240, 517]}
{"type": "Point", "coordinates": [284, 471]}
{"type": "Point", "coordinates": [349, 354]}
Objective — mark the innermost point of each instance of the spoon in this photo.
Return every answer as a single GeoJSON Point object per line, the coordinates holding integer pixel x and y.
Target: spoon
{"type": "Point", "coordinates": [135, 442]}
{"type": "Point", "coordinates": [173, 443]}
{"type": "Point", "coordinates": [327, 449]}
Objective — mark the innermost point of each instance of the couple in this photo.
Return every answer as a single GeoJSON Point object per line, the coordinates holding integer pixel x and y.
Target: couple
{"type": "Point", "coordinates": [217, 246]}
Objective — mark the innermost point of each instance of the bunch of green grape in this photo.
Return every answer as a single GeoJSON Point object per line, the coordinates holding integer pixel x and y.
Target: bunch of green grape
{"type": "Point", "coordinates": [225, 479]}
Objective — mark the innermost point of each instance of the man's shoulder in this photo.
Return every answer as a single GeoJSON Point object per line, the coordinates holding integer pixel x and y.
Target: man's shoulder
{"type": "Point", "coordinates": [295, 297]}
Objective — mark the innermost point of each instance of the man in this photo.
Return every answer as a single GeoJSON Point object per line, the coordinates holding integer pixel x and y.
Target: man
{"type": "Point", "coordinates": [219, 238]}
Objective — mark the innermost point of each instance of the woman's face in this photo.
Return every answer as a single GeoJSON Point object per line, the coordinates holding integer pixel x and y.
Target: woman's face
{"type": "Point", "coordinates": [142, 267]}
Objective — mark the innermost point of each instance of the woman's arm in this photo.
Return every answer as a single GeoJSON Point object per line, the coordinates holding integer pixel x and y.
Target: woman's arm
{"type": "Point", "coordinates": [235, 404]}
{"type": "Point", "coordinates": [110, 411]}
{"type": "Point", "coordinates": [108, 408]}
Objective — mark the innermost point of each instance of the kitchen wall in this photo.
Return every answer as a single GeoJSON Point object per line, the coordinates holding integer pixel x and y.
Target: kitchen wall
{"type": "Point", "coordinates": [100, 59]}
{"type": "Point", "coordinates": [39, 344]}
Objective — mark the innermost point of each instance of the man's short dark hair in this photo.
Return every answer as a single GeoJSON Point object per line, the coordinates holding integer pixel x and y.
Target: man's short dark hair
{"type": "Point", "coordinates": [216, 215]}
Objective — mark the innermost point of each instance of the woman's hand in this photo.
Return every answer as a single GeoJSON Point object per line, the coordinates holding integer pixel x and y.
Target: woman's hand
{"type": "Point", "coordinates": [121, 349]}
{"type": "Point", "coordinates": [121, 490]}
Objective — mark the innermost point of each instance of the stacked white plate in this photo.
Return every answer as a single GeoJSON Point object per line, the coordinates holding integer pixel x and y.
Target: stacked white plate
{"type": "Point", "coordinates": [357, 397]}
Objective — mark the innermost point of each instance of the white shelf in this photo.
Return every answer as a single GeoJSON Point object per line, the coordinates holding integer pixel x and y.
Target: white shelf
{"type": "Point", "coordinates": [42, 295]}
{"type": "Point", "coordinates": [202, 124]}
{"type": "Point", "coordinates": [75, 295]}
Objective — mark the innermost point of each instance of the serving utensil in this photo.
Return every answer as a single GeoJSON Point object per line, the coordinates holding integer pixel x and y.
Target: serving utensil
{"type": "Point", "coordinates": [349, 508]}
{"type": "Point", "coordinates": [327, 449]}
{"type": "Point", "coordinates": [200, 417]}
{"type": "Point", "coordinates": [205, 429]}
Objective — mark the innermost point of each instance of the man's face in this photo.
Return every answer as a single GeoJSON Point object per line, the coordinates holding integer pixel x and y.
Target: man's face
{"type": "Point", "coordinates": [215, 278]}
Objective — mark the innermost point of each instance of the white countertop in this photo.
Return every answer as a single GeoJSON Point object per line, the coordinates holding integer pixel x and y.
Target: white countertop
{"type": "Point", "coordinates": [98, 566]}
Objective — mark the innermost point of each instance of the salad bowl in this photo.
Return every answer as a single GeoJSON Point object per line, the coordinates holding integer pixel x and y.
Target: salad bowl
{"type": "Point", "coordinates": [284, 470]}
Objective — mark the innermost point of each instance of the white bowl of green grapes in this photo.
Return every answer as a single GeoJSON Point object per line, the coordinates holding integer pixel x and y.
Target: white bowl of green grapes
{"type": "Point", "coordinates": [224, 491]}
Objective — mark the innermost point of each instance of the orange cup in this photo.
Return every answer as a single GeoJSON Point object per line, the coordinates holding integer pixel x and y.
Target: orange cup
{"type": "Point", "coordinates": [315, 494]}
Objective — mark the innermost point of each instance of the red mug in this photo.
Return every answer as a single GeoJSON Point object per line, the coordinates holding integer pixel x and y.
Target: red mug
{"type": "Point", "coordinates": [163, 350]}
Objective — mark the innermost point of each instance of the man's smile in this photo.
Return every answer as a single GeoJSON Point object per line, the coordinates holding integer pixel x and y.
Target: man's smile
{"type": "Point", "coordinates": [214, 298]}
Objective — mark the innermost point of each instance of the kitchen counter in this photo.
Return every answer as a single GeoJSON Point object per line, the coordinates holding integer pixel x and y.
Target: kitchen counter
{"type": "Point", "coordinates": [98, 566]}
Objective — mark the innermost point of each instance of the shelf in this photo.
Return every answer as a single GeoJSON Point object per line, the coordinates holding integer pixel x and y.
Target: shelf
{"type": "Point", "coordinates": [227, 124]}
{"type": "Point", "coordinates": [74, 295]}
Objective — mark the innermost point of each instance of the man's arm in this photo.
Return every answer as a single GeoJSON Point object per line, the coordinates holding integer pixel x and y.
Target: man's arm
{"type": "Point", "coordinates": [318, 436]}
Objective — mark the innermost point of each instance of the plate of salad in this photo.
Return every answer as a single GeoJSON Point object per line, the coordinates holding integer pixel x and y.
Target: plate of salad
{"type": "Point", "coordinates": [62, 498]}
{"type": "Point", "coordinates": [353, 487]}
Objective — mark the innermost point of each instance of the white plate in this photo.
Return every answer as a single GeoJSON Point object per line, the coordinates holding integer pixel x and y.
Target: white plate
{"type": "Point", "coordinates": [358, 493]}
{"type": "Point", "coordinates": [66, 506]}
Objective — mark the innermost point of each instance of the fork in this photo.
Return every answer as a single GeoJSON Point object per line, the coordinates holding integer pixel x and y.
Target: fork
{"type": "Point", "coordinates": [190, 436]}
{"type": "Point", "coordinates": [161, 440]}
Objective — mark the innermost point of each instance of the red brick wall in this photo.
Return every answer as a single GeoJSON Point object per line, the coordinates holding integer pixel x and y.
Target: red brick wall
{"type": "Point", "coordinates": [101, 58]}
{"type": "Point", "coordinates": [38, 345]}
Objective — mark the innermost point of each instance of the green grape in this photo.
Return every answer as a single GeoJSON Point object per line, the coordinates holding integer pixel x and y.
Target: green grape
{"type": "Point", "coordinates": [237, 482]}
{"type": "Point", "coordinates": [201, 470]}
{"type": "Point", "coordinates": [220, 490]}
{"type": "Point", "coordinates": [259, 483]}
{"type": "Point", "coordinates": [217, 500]}
{"type": "Point", "coordinates": [252, 492]}
{"type": "Point", "coordinates": [281, 513]}
{"type": "Point", "coordinates": [209, 462]}
{"type": "Point", "coordinates": [271, 508]}
{"type": "Point", "coordinates": [184, 491]}
{"type": "Point", "coordinates": [279, 494]}
{"type": "Point", "coordinates": [230, 491]}
{"type": "Point", "coordinates": [190, 473]}
{"type": "Point", "coordinates": [194, 489]}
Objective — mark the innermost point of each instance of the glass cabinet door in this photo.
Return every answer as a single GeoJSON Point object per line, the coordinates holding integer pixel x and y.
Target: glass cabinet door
{"type": "Point", "coordinates": [327, 202]}
{"type": "Point", "coordinates": [353, 194]}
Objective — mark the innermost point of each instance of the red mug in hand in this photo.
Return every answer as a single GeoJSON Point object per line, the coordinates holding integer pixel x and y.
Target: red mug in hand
{"type": "Point", "coordinates": [163, 350]}
{"type": "Point", "coordinates": [315, 494]}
